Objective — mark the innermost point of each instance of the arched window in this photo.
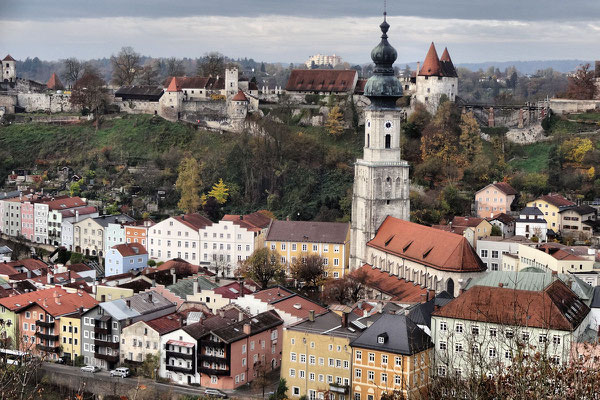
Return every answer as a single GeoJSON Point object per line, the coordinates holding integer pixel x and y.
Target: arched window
{"type": "Point", "coordinates": [388, 141]}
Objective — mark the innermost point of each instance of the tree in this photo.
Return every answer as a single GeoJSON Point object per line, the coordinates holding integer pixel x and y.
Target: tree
{"type": "Point", "coordinates": [582, 85]}
{"type": "Point", "coordinates": [212, 64]}
{"type": "Point", "coordinates": [219, 192]}
{"type": "Point", "coordinates": [150, 366]}
{"type": "Point", "coordinates": [72, 70]}
{"type": "Point", "coordinates": [88, 92]}
{"type": "Point", "coordinates": [175, 67]}
{"type": "Point", "coordinates": [347, 290]}
{"type": "Point", "coordinates": [440, 136]}
{"type": "Point", "coordinates": [261, 380]}
{"type": "Point", "coordinates": [188, 182]}
{"type": "Point", "coordinates": [75, 188]}
{"type": "Point", "coordinates": [262, 266]}
{"type": "Point", "coordinates": [310, 270]}
{"type": "Point", "coordinates": [126, 66]}
{"type": "Point", "coordinates": [280, 393]}
{"type": "Point", "coordinates": [335, 121]}
{"type": "Point", "coordinates": [574, 150]}
{"type": "Point", "coordinates": [148, 74]}
{"type": "Point", "coordinates": [393, 395]}
{"type": "Point", "coordinates": [470, 139]}
{"type": "Point", "coordinates": [496, 231]}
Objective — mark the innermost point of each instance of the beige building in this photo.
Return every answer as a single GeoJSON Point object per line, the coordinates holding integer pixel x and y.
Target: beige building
{"type": "Point", "coordinates": [548, 257]}
{"type": "Point", "coordinates": [577, 221]}
{"type": "Point", "coordinates": [323, 60]}
{"type": "Point", "coordinates": [494, 199]}
{"type": "Point", "coordinates": [143, 337]}
{"type": "Point", "coordinates": [89, 235]}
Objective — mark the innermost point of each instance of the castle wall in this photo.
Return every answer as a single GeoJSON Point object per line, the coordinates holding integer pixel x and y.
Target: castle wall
{"type": "Point", "coordinates": [138, 106]}
{"type": "Point", "coordinates": [566, 106]}
{"type": "Point", "coordinates": [8, 102]}
{"type": "Point", "coordinates": [428, 91]}
{"type": "Point", "coordinates": [54, 103]}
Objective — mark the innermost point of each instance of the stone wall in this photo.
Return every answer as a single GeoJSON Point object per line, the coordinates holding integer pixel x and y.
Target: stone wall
{"type": "Point", "coordinates": [137, 106]}
{"type": "Point", "coordinates": [428, 91]}
{"type": "Point", "coordinates": [8, 102]}
{"type": "Point", "coordinates": [44, 102]}
{"type": "Point", "coordinates": [566, 106]}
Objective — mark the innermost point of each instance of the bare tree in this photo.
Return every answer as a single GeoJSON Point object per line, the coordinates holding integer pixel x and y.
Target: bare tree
{"type": "Point", "coordinates": [582, 85]}
{"type": "Point", "coordinates": [212, 64]}
{"type": "Point", "coordinates": [347, 290]}
{"type": "Point", "coordinates": [262, 266]}
{"type": "Point", "coordinates": [72, 70]}
{"type": "Point", "coordinates": [309, 270]}
{"type": "Point", "coordinates": [126, 66]}
{"type": "Point", "coordinates": [148, 74]}
{"type": "Point", "coordinates": [88, 92]}
{"type": "Point", "coordinates": [175, 67]}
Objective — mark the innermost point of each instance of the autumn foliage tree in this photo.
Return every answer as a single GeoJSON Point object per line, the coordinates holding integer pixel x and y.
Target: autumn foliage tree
{"type": "Point", "coordinates": [346, 290]}
{"type": "Point", "coordinates": [310, 270]}
{"type": "Point", "coordinates": [335, 121]}
{"type": "Point", "coordinates": [582, 85]}
{"type": "Point", "coordinates": [220, 192]}
{"type": "Point", "coordinates": [263, 266]}
{"type": "Point", "coordinates": [88, 92]}
{"type": "Point", "coordinates": [441, 136]}
{"type": "Point", "coordinates": [470, 137]}
{"type": "Point", "coordinates": [188, 183]}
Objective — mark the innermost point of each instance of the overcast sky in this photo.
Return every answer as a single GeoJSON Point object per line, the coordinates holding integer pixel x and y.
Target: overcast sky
{"type": "Point", "coordinates": [292, 30]}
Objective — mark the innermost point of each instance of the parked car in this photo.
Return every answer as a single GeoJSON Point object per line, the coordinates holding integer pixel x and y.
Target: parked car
{"type": "Point", "coordinates": [215, 393]}
{"type": "Point", "coordinates": [90, 368]}
{"type": "Point", "coordinates": [122, 372]}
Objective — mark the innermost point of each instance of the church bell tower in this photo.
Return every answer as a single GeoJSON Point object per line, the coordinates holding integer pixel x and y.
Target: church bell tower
{"type": "Point", "coordinates": [381, 184]}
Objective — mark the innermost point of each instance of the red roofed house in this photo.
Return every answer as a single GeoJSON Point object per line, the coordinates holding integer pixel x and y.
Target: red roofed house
{"type": "Point", "coordinates": [220, 297]}
{"type": "Point", "coordinates": [435, 78]}
{"type": "Point", "coordinates": [429, 257]}
{"type": "Point", "coordinates": [322, 81]}
{"type": "Point", "coordinates": [124, 258]}
{"type": "Point", "coordinates": [177, 237]}
{"type": "Point", "coordinates": [496, 198]}
{"type": "Point", "coordinates": [9, 69]}
{"type": "Point", "coordinates": [546, 321]}
{"type": "Point", "coordinates": [142, 338]}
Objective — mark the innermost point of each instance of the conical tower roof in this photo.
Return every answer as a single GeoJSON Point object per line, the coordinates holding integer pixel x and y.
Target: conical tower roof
{"type": "Point", "coordinates": [54, 83]}
{"type": "Point", "coordinates": [240, 96]}
{"type": "Point", "coordinates": [173, 86]}
{"type": "Point", "coordinates": [431, 65]}
{"type": "Point", "coordinates": [447, 65]}
{"type": "Point", "coordinates": [8, 58]}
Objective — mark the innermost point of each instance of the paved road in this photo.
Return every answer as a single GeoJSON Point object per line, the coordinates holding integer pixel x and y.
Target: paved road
{"type": "Point", "coordinates": [245, 392]}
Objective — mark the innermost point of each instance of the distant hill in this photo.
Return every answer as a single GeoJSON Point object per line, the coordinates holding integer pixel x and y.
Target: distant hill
{"type": "Point", "coordinates": [524, 67]}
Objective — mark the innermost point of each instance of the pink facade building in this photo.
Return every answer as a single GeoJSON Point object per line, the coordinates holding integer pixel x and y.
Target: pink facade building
{"type": "Point", "coordinates": [27, 219]}
{"type": "Point", "coordinates": [494, 199]}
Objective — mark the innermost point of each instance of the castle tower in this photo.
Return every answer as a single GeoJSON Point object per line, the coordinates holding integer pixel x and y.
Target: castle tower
{"type": "Point", "coordinates": [231, 82]}
{"type": "Point", "coordinates": [435, 78]}
{"type": "Point", "coordinates": [381, 185]}
{"type": "Point", "coordinates": [171, 102]}
{"type": "Point", "coordinates": [9, 69]}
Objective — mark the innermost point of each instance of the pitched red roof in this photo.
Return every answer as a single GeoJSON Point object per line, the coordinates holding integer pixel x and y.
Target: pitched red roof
{"type": "Point", "coordinates": [560, 253]}
{"type": "Point", "coordinates": [273, 294]}
{"type": "Point", "coordinates": [556, 200]}
{"type": "Point", "coordinates": [49, 300]}
{"type": "Point", "coordinates": [447, 65]}
{"type": "Point", "coordinates": [254, 222]}
{"type": "Point", "coordinates": [360, 86]}
{"type": "Point", "coordinates": [232, 290]}
{"type": "Point", "coordinates": [181, 267]}
{"type": "Point", "coordinates": [7, 269]}
{"type": "Point", "coordinates": [60, 278]}
{"type": "Point", "coordinates": [54, 83]}
{"type": "Point", "coordinates": [194, 221]}
{"type": "Point", "coordinates": [80, 211]}
{"type": "Point", "coordinates": [8, 58]}
{"type": "Point", "coordinates": [321, 80]}
{"type": "Point", "coordinates": [30, 264]}
{"type": "Point", "coordinates": [130, 249]}
{"type": "Point", "coordinates": [174, 85]}
{"type": "Point", "coordinates": [556, 307]}
{"type": "Point", "coordinates": [65, 203]}
{"type": "Point", "coordinates": [398, 289]}
{"type": "Point", "coordinates": [466, 221]}
{"type": "Point", "coordinates": [438, 249]}
{"type": "Point", "coordinates": [297, 306]}
{"type": "Point", "coordinates": [431, 65]}
{"type": "Point", "coordinates": [506, 188]}
{"type": "Point", "coordinates": [166, 323]}
{"type": "Point", "coordinates": [240, 96]}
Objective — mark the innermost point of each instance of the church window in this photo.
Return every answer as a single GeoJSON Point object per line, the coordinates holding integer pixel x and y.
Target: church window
{"type": "Point", "coordinates": [388, 141]}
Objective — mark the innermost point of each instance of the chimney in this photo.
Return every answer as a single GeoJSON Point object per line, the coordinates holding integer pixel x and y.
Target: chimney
{"type": "Point", "coordinates": [50, 279]}
{"type": "Point", "coordinates": [28, 273]}
{"type": "Point", "coordinates": [424, 298]}
{"type": "Point", "coordinates": [128, 303]}
{"type": "Point", "coordinates": [311, 315]}
{"type": "Point", "coordinates": [344, 319]}
{"type": "Point", "coordinates": [240, 316]}
{"type": "Point", "coordinates": [174, 276]}
{"type": "Point", "coordinates": [56, 298]}
{"type": "Point", "coordinates": [247, 329]}
{"type": "Point", "coordinates": [431, 294]}
{"type": "Point", "coordinates": [418, 67]}
{"type": "Point", "coordinates": [194, 285]}
{"type": "Point", "coordinates": [76, 216]}
{"type": "Point", "coordinates": [500, 284]}
{"type": "Point", "coordinates": [150, 297]}
{"type": "Point", "coordinates": [94, 288]}
{"type": "Point", "coordinates": [222, 313]}
{"type": "Point", "coordinates": [45, 303]}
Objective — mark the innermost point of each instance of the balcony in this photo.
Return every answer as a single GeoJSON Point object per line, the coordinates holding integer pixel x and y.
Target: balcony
{"type": "Point", "coordinates": [106, 343]}
{"type": "Point", "coordinates": [46, 336]}
{"type": "Point", "coordinates": [175, 354]}
{"type": "Point", "coordinates": [48, 349]}
{"type": "Point", "coordinates": [337, 388]}
{"type": "Point", "coordinates": [211, 371]}
{"type": "Point", "coordinates": [107, 357]}
{"type": "Point", "coordinates": [184, 370]}
{"type": "Point", "coordinates": [101, 331]}
{"type": "Point", "coordinates": [212, 359]}
{"type": "Point", "coordinates": [45, 324]}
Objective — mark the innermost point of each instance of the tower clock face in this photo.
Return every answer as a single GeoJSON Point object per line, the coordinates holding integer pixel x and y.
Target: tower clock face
{"type": "Point", "coordinates": [388, 125]}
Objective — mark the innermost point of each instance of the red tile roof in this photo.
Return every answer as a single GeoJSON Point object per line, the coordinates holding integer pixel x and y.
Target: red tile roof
{"type": "Point", "coordinates": [506, 188]}
{"type": "Point", "coordinates": [130, 249]}
{"type": "Point", "coordinates": [174, 85]}
{"type": "Point", "coordinates": [7, 269]}
{"type": "Point", "coordinates": [360, 86]}
{"type": "Point", "coordinates": [240, 96]}
{"type": "Point", "coordinates": [556, 200]}
{"type": "Point", "coordinates": [194, 221]}
{"type": "Point", "coordinates": [166, 323]}
{"type": "Point", "coordinates": [441, 250]}
{"type": "Point", "coordinates": [466, 221]}
{"type": "Point", "coordinates": [297, 306]}
{"type": "Point", "coordinates": [232, 290]}
{"type": "Point", "coordinates": [65, 203]}
{"type": "Point", "coordinates": [8, 58]}
{"type": "Point", "coordinates": [556, 307]}
{"type": "Point", "coordinates": [431, 65]}
{"type": "Point", "coordinates": [181, 267]}
{"type": "Point", "coordinates": [253, 222]}
{"type": "Point", "coordinates": [321, 80]}
{"type": "Point", "coordinates": [79, 267]}
{"type": "Point", "coordinates": [54, 83]}
{"type": "Point", "coordinates": [62, 277]}
{"type": "Point", "coordinates": [79, 211]}
{"type": "Point", "coordinates": [30, 264]}
{"type": "Point", "coordinates": [559, 253]}
{"type": "Point", "coordinates": [49, 300]}
{"type": "Point", "coordinates": [273, 294]}
{"type": "Point", "coordinates": [398, 289]}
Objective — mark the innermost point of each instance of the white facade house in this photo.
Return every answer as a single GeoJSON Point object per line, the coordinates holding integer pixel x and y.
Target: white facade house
{"type": "Point", "coordinates": [178, 349]}
{"type": "Point", "coordinates": [225, 244]}
{"type": "Point", "coordinates": [531, 223]}
{"type": "Point", "coordinates": [40, 215]}
{"type": "Point", "coordinates": [437, 77]}
{"type": "Point", "coordinates": [177, 237]}
{"type": "Point", "coordinates": [493, 248]}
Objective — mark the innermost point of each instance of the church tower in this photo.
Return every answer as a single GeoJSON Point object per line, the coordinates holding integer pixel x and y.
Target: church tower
{"type": "Point", "coordinates": [381, 185]}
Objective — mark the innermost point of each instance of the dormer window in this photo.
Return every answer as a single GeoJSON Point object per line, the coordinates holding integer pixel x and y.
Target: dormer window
{"type": "Point", "coordinates": [382, 338]}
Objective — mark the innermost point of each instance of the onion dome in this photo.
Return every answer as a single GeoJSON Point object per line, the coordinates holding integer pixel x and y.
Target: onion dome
{"type": "Point", "coordinates": [383, 88]}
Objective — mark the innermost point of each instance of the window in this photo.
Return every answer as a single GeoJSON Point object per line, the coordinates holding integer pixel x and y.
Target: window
{"type": "Point", "coordinates": [301, 374]}
{"type": "Point", "coordinates": [525, 336]}
{"type": "Point", "coordinates": [397, 380]}
{"type": "Point", "coordinates": [282, 246]}
{"type": "Point", "coordinates": [484, 253]}
{"type": "Point", "coordinates": [321, 361]}
{"type": "Point", "coordinates": [556, 340]}
{"type": "Point", "coordinates": [358, 373]}
{"type": "Point", "coordinates": [384, 359]}
{"type": "Point", "coordinates": [303, 358]}
{"type": "Point", "coordinates": [293, 357]}
{"type": "Point", "coordinates": [543, 338]}
{"type": "Point", "coordinates": [371, 357]}
{"type": "Point", "coordinates": [494, 253]}
{"type": "Point", "coordinates": [443, 346]}
{"type": "Point", "coordinates": [311, 376]}
{"type": "Point", "coordinates": [459, 328]}
{"type": "Point", "coordinates": [398, 361]}
{"type": "Point", "coordinates": [458, 347]}
{"type": "Point", "coordinates": [492, 352]}
{"type": "Point", "coordinates": [304, 247]}
{"type": "Point", "coordinates": [296, 391]}
{"type": "Point", "coordinates": [358, 355]}
{"type": "Point", "coordinates": [384, 378]}
{"type": "Point", "coordinates": [294, 248]}
{"type": "Point", "coordinates": [292, 372]}
{"type": "Point", "coordinates": [370, 376]}
{"type": "Point", "coordinates": [312, 360]}
{"type": "Point", "coordinates": [475, 330]}
{"type": "Point", "coordinates": [443, 326]}
{"type": "Point", "coordinates": [493, 332]}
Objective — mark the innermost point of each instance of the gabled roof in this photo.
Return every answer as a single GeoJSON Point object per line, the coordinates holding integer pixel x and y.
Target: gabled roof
{"type": "Point", "coordinates": [54, 83]}
{"type": "Point", "coordinates": [321, 80]}
{"type": "Point", "coordinates": [431, 64]}
{"type": "Point", "coordinates": [64, 203]}
{"type": "Point", "coordinates": [139, 304]}
{"type": "Point", "coordinates": [130, 249]}
{"type": "Point", "coordinates": [31, 264]}
{"type": "Point", "coordinates": [272, 294]}
{"type": "Point", "coordinates": [259, 323]}
{"type": "Point", "coordinates": [583, 209]}
{"type": "Point", "coordinates": [308, 231]}
{"type": "Point", "coordinates": [401, 336]}
{"type": "Point", "coordinates": [441, 250]}
{"type": "Point", "coordinates": [466, 221]}
{"type": "Point", "coordinates": [240, 96]}
{"type": "Point", "coordinates": [556, 307]}
{"type": "Point", "coordinates": [556, 200]}
{"type": "Point", "coordinates": [80, 211]}
{"type": "Point", "coordinates": [503, 187]}
{"type": "Point", "coordinates": [8, 58]}
{"type": "Point", "coordinates": [297, 306]}
{"type": "Point", "coordinates": [181, 267]}
{"type": "Point", "coordinates": [447, 65]}
{"type": "Point", "coordinates": [165, 324]}
{"type": "Point", "coordinates": [185, 287]}
{"type": "Point", "coordinates": [255, 221]}
{"type": "Point", "coordinates": [177, 83]}
{"type": "Point", "coordinates": [232, 290]}
{"type": "Point", "coordinates": [560, 253]}
{"type": "Point", "coordinates": [531, 211]}
{"type": "Point", "coordinates": [194, 221]}
{"type": "Point", "coordinates": [398, 288]}
{"type": "Point", "coordinates": [504, 218]}
{"type": "Point", "coordinates": [56, 301]}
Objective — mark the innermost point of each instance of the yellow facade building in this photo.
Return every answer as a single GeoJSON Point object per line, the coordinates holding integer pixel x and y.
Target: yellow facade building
{"type": "Point", "coordinates": [296, 239]}
{"type": "Point", "coordinates": [70, 336]}
{"type": "Point", "coordinates": [551, 205]}
{"type": "Point", "coordinates": [317, 358]}
{"type": "Point", "coordinates": [391, 355]}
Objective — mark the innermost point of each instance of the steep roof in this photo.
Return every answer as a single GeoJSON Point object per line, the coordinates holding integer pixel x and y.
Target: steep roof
{"type": "Point", "coordinates": [240, 96]}
{"type": "Point", "coordinates": [556, 307]}
{"type": "Point", "coordinates": [447, 65]}
{"type": "Point", "coordinates": [194, 221]}
{"type": "Point", "coordinates": [130, 249]}
{"type": "Point", "coordinates": [54, 83]}
{"type": "Point", "coordinates": [441, 250]}
{"type": "Point", "coordinates": [504, 218]}
{"type": "Point", "coordinates": [255, 221]}
{"type": "Point", "coordinates": [174, 85]}
{"type": "Point", "coordinates": [531, 211]}
{"type": "Point", "coordinates": [259, 323]}
{"type": "Point", "coordinates": [398, 288]}
{"type": "Point", "coordinates": [401, 336]}
{"type": "Point", "coordinates": [8, 58]}
{"type": "Point", "coordinates": [466, 221]}
{"type": "Point", "coordinates": [321, 80]}
{"type": "Point", "coordinates": [297, 306]}
{"type": "Point", "coordinates": [308, 231]}
{"type": "Point", "coordinates": [431, 64]}
{"type": "Point", "coordinates": [556, 200]}
{"type": "Point", "coordinates": [166, 323]}
{"type": "Point", "coordinates": [501, 186]}
{"type": "Point", "coordinates": [56, 301]}
{"type": "Point", "coordinates": [232, 290]}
